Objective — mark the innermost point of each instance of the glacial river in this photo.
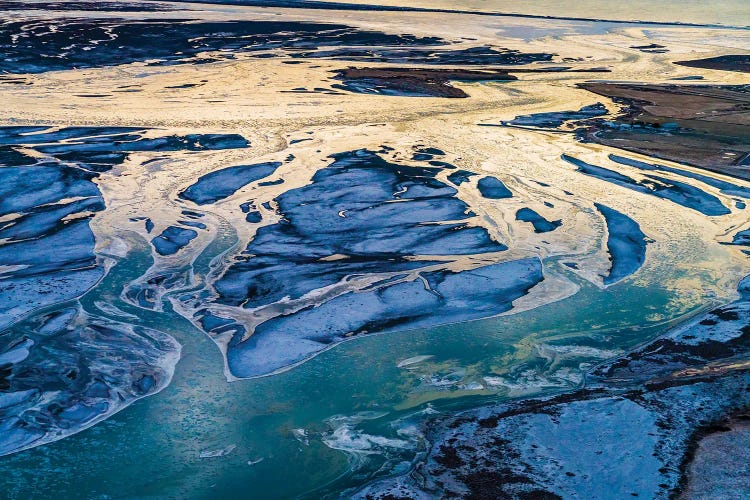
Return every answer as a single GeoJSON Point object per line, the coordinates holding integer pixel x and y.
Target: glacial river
{"type": "Point", "coordinates": [337, 420]}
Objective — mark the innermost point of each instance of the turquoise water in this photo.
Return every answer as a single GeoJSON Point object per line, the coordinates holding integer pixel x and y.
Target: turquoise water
{"type": "Point", "coordinates": [153, 448]}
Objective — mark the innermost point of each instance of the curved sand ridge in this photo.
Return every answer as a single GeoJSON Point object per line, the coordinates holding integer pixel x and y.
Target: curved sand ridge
{"type": "Point", "coordinates": [232, 322]}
